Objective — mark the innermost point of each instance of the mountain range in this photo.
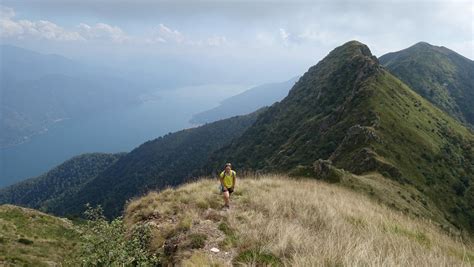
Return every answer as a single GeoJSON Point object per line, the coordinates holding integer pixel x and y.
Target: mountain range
{"type": "Point", "coordinates": [347, 114]}
{"type": "Point", "coordinates": [246, 102]}
{"type": "Point", "coordinates": [39, 90]}
{"type": "Point", "coordinates": [350, 110]}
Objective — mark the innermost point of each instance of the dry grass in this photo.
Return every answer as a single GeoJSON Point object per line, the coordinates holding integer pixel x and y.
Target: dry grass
{"type": "Point", "coordinates": [275, 220]}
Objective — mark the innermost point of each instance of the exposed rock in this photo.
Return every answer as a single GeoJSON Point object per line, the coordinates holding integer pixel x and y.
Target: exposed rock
{"type": "Point", "coordinates": [171, 246]}
{"type": "Point", "coordinates": [324, 170]}
{"type": "Point", "coordinates": [366, 160]}
{"type": "Point", "coordinates": [356, 136]}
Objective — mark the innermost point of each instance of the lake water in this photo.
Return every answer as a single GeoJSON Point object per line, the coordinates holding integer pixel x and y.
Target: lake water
{"type": "Point", "coordinates": [111, 131]}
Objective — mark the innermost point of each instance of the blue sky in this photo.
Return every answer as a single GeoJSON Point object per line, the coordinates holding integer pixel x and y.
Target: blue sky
{"type": "Point", "coordinates": [279, 39]}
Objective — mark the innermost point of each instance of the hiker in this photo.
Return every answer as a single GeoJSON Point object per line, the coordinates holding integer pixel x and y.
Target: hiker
{"type": "Point", "coordinates": [227, 178]}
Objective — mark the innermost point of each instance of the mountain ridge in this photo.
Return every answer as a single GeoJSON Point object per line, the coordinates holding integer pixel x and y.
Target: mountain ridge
{"type": "Point", "coordinates": [351, 111]}
{"type": "Point", "coordinates": [47, 191]}
{"type": "Point", "coordinates": [439, 74]}
{"type": "Point", "coordinates": [246, 102]}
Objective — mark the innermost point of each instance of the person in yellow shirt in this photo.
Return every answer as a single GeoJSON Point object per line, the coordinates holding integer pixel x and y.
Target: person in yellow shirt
{"type": "Point", "coordinates": [227, 178]}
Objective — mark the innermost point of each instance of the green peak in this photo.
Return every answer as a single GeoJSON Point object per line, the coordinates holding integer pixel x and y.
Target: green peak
{"type": "Point", "coordinates": [422, 45]}
{"type": "Point", "coordinates": [427, 47]}
{"type": "Point", "coordinates": [355, 47]}
{"type": "Point", "coordinates": [353, 43]}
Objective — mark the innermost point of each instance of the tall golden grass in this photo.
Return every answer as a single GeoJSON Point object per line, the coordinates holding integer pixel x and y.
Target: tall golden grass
{"type": "Point", "coordinates": [299, 223]}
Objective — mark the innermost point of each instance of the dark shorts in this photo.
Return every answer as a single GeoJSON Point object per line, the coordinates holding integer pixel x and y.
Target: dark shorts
{"type": "Point", "coordinates": [231, 190]}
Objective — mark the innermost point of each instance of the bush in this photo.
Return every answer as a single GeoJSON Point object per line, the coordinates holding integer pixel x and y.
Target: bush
{"type": "Point", "coordinates": [107, 243]}
{"type": "Point", "coordinates": [197, 240]}
{"type": "Point", "coordinates": [255, 258]}
{"type": "Point", "coordinates": [25, 241]}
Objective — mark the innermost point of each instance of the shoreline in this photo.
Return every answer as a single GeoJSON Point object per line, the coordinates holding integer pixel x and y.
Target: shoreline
{"type": "Point", "coordinates": [28, 138]}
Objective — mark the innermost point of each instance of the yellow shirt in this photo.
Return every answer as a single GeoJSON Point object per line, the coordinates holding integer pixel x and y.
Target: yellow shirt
{"type": "Point", "coordinates": [228, 178]}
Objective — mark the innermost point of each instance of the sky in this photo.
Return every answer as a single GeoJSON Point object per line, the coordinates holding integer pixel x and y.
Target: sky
{"type": "Point", "coordinates": [230, 41]}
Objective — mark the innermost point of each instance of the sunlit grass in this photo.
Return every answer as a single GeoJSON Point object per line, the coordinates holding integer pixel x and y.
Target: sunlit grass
{"type": "Point", "coordinates": [275, 220]}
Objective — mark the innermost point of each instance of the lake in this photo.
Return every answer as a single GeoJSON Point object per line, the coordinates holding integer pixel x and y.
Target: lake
{"type": "Point", "coordinates": [111, 131]}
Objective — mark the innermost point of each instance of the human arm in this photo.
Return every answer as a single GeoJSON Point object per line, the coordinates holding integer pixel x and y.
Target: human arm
{"type": "Point", "coordinates": [234, 180]}
{"type": "Point", "coordinates": [221, 178]}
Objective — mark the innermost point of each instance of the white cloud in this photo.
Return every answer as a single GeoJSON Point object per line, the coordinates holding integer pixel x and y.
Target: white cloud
{"type": "Point", "coordinates": [43, 29]}
{"type": "Point", "coordinates": [102, 31]}
{"type": "Point", "coordinates": [165, 34]}
{"type": "Point", "coordinates": [285, 36]}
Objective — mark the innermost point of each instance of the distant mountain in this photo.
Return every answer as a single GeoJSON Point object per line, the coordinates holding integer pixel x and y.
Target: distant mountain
{"type": "Point", "coordinates": [47, 191]}
{"type": "Point", "coordinates": [439, 74]}
{"type": "Point", "coordinates": [348, 109]}
{"type": "Point", "coordinates": [19, 64]}
{"type": "Point", "coordinates": [38, 90]}
{"type": "Point", "coordinates": [246, 102]}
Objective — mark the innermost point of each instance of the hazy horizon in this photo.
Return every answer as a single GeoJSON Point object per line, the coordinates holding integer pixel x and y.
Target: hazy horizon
{"type": "Point", "coordinates": [231, 41]}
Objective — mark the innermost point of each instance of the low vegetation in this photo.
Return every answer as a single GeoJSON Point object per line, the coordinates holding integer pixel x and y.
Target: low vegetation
{"type": "Point", "coordinates": [32, 238]}
{"type": "Point", "coordinates": [275, 221]}
{"type": "Point", "coordinates": [108, 243]}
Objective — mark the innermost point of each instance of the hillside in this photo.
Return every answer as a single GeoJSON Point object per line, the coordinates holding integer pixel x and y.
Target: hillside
{"type": "Point", "coordinates": [246, 102]}
{"type": "Point", "coordinates": [348, 109]}
{"type": "Point", "coordinates": [32, 238]}
{"type": "Point", "coordinates": [277, 221]}
{"type": "Point", "coordinates": [166, 161]}
{"type": "Point", "coordinates": [46, 191]}
{"type": "Point", "coordinates": [438, 74]}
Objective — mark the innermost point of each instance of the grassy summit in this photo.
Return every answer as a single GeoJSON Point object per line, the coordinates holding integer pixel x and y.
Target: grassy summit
{"type": "Point", "coordinates": [440, 75]}
{"type": "Point", "coordinates": [275, 220]}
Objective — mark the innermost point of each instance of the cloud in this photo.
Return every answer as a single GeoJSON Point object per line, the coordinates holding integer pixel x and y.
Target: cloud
{"type": "Point", "coordinates": [285, 36]}
{"type": "Point", "coordinates": [276, 26]}
{"type": "Point", "coordinates": [22, 29]}
{"type": "Point", "coordinates": [165, 34]}
{"type": "Point", "coordinates": [10, 27]}
{"type": "Point", "coordinates": [102, 31]}
{"type": "Point", "coordinates": [43, 29]}
{"type": "Point", "coordinates": [6, 12]}
{"type": "Point", "coordinates": [216, 41]}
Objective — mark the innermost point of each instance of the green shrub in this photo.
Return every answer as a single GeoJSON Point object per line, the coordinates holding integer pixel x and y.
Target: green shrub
{"type": "Point", "coordinates": [230, 237]}
{"type": "Point", "coordinates": [25, 241]}
{"type": "Point", "coordinates": [253, 257]}
{"type": "Point", "coordinates": [107, 243]}
{"type": "Point", "coordinates": [197, 240]}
